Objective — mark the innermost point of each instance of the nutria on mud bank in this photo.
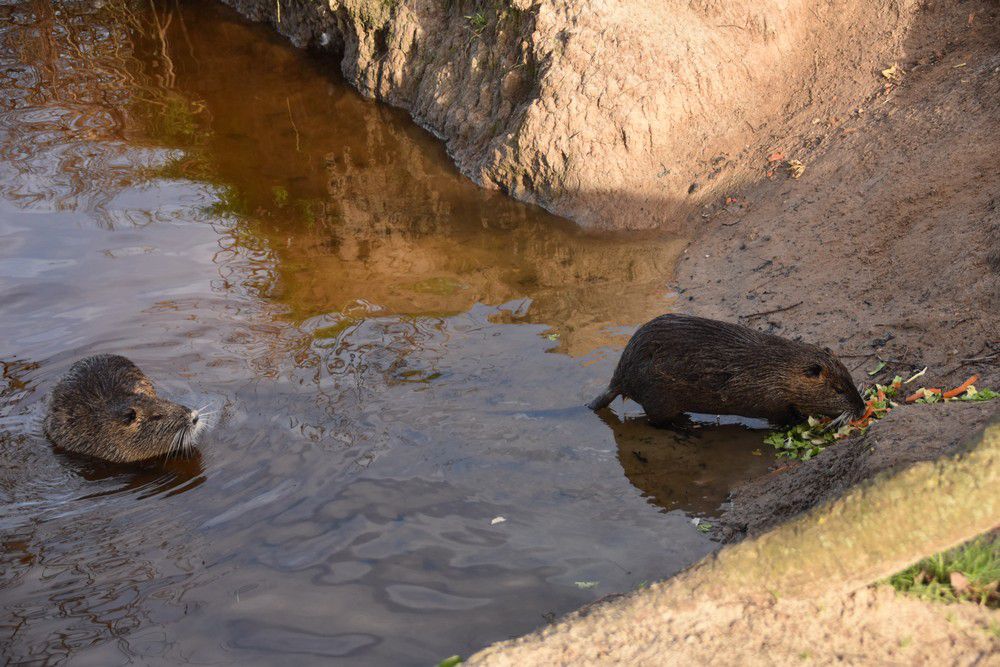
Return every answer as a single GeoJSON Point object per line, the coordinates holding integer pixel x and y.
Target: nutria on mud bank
{"type": "Point", "coordinates": [106, 407]}
{"type": "Point", "coordinates": [678, 363]}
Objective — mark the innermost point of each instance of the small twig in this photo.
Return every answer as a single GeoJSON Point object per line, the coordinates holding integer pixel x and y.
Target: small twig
{"type": "Point", "coordinates": [975, 359]}
{"type": "Point", "coordinates": [771, 312]}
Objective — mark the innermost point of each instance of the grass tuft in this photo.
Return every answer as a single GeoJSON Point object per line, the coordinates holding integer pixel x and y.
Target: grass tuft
{"type": "Point", "coordinates": [969, 573]}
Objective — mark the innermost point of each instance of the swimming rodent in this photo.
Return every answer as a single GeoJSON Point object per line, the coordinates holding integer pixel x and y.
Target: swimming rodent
{"type": "Point", "coordinates": [679, 363]}
{"type": "Point", "coordinates": [107, 408]}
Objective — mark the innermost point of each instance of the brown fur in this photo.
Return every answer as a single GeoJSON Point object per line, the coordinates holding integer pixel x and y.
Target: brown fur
{"type": "Point", "coordinates": [105, 407]}
{"type": "Point", "coordinates": [679, 363]}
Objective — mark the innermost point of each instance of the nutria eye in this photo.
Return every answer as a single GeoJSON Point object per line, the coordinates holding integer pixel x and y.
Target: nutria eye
{"type": "Point", "coordinates": [130, 415]}
{"type": "Point", "coordinates": [814, 371]}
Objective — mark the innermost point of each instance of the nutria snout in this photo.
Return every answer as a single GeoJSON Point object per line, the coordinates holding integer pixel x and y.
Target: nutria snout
{"type": "Point", "coordinates": [107, 408]}
{"type": "Point", "coordinates": [679, 363]}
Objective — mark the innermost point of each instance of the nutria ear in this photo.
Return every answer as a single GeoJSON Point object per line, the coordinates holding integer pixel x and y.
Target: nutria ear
{"type": "Point", "coordinates": [814, 370]}
{"type": "Point", "coordinates": [828, 350]}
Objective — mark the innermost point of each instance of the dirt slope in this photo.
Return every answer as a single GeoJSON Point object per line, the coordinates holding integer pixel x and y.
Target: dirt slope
{"type": "Point", "coordinates": [615, 113]}
{"type": "Point", "coordinates": [886, 248]}
{"type": "Point", "coordinates": [888, 245]}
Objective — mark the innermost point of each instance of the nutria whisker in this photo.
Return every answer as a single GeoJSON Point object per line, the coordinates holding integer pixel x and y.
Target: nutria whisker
{"type": "Point", "coordinates": [836, 422]}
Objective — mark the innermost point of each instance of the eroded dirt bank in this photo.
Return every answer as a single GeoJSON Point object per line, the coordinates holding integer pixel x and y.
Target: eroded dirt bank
{"type": "Point", "coordinates": [615, 114]}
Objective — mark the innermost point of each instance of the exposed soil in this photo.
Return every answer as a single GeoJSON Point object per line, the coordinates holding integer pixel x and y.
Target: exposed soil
{"type": "Point", "coordinates": [887, 247]}
{"type": "Point", "coordinates": [871, 626]}
{"type": "Point", "coordinates": [615, 114]}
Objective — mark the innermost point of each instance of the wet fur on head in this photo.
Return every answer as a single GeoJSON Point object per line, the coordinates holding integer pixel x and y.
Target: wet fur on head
{"type": "Point", "coordinates": [105, 407]}
{"type": "Point", "coordinates": [678, 363]}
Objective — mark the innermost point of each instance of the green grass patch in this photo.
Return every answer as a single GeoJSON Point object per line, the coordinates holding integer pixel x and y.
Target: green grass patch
{"type": "Point", "coordinates": [969, 573]}
{"type": "Point", "coordinates": [477, 22]}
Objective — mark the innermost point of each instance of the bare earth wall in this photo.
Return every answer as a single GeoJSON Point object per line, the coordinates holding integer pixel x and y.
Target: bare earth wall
{"type": "Point", "coordinates": [617, 114]}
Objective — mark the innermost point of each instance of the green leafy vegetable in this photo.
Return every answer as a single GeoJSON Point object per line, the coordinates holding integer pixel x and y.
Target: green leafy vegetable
{"type": "Point", "coordinates": [804, 441]}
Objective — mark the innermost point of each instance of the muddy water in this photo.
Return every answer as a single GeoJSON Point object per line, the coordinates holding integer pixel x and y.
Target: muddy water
{"type": "Point", "coordinates": [394, 358]}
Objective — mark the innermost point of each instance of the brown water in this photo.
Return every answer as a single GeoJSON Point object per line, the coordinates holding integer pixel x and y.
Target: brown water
{"type": "Point", "coordinates": [396, 357]}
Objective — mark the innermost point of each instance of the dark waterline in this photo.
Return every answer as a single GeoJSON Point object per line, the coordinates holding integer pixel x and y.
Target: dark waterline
{"type": "Point", "coordinates": [396, 358]}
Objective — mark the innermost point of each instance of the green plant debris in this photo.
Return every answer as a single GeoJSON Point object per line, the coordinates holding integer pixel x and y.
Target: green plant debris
{"type": "Point", "coordinates": [704, 527]}
{"type": "Point", "coordinates": [552, 336]}
{"type": "Point", "coordinates": [971, 394]}
{"type": "Point", "coordinates": [877, 368]}
{"type": "Point", "coordinates": [585, 584]}
{"type": "Point", "coordinates": [450, 662]}
{"type": "Point", "coordinates": [969, 573]}
{"type": "Point", "coordinates": [804, 441]}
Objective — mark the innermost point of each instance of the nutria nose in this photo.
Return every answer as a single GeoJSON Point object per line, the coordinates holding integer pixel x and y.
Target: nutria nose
{"type": "Point", "coordinates": [194, 416]}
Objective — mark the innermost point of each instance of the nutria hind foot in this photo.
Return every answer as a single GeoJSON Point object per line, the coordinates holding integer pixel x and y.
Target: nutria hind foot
{"type": "Point", "coordinates": [604, 400]}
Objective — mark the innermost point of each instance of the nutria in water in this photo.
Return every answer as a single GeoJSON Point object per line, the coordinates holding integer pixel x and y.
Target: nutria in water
{"type": "Point", "coordinates": [678, 363]}
{"type": "Point", "coordinates": [105, 407]}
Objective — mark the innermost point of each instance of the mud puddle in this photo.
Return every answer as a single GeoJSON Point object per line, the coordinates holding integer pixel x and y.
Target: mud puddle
{"type": "Point", "coordinates": [395, 358]}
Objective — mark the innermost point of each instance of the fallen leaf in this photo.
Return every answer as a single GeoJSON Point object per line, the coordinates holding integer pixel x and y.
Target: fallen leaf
{"type": "Point", "coordinates": [877, 368]}
{"type": "Point", "coordinates": [776, 156]}
{"type": "Point", "coordinates": [894, 73]}
{"type": "Point", "coordinates": [585, 584]}
{"type": "Point", "coordinates": [496, 520]}
{"type": "Point", "coordinates": [796, 168]}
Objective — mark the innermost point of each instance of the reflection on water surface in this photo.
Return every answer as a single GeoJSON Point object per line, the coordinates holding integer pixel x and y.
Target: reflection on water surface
{"type": "Point", "coordinates": [396, 357]}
